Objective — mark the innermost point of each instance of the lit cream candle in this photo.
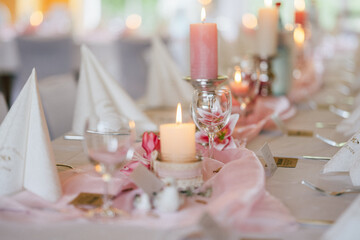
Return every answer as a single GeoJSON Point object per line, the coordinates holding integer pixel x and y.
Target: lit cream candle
{"type": "Point", "coordinates": [267, 33]}
{"type": "Point", "coordinates": [177, 140]}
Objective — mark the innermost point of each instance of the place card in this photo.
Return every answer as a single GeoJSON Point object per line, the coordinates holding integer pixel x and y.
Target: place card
{"type": "Point", "coordinates": [86, 200]}
{"type": "Point", "coordinates": [269, 160]}
{"type": "Point", "coordinates": [286, 162]}
{"type": "Point", "coordinates": [300, 133]}
{"type": "Point", "coordinates": [146, 180]}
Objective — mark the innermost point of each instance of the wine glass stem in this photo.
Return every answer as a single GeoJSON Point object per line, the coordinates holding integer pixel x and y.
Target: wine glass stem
{"type": "Point", "coordinates": [211, 145]}
{"type": "Point", "coordinates": [106, 200]}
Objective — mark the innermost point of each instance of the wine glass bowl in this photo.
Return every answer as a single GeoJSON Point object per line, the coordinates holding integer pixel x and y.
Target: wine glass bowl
{"type": "Point", "coordinates": [211, 112]}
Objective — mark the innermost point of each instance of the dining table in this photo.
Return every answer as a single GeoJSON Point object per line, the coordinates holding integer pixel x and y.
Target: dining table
{"type": "Point", "coordinates": [314, 212]}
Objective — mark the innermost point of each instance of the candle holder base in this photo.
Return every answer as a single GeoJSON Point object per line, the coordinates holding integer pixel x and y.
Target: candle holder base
{"type": "Point", "coordinates": [187, 175]}
{"type": "Point", "coordinates": [206, 84]}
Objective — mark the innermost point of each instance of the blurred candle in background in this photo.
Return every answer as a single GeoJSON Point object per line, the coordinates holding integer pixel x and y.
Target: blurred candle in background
{"type": "Point", "coordinates": [238, 87]}
{"type": "Point", "coordinates": [300, 14]}
{"type": "Point", "coordinates": [299, 36]}
{"type": "Point", "coordinates": [267, 33]}
{"type": "Point", "coordinates": [203, 49]}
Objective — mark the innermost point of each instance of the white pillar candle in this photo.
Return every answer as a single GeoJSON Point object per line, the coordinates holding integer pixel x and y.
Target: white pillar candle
{"type": "Point", "coordinates": [177, 140]}
{"type": "Point", "coordinates": [267, 33]}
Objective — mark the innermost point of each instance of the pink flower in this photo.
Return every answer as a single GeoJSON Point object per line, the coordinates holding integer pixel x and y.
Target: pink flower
{"type": "Point", "coordinates": [129, 168]}
{"type": "Point", "coordinates": [150, 142]}
{"type": "Point", "coordinates": [223, 138]}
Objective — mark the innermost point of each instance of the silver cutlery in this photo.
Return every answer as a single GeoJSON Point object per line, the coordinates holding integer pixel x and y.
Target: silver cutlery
{"type": "Point", "coordinates": [74, 137]}
{"type": "Point", "coordinates": [325, 125]}
{"type": "Point", "coordinates": [329, 193]}
{"type": "Point", "coordinates": [316, 157]}
{"type": "Point", "coordinates": [340, 112]}
{"type": "Point", "coordinates": [329, 141]}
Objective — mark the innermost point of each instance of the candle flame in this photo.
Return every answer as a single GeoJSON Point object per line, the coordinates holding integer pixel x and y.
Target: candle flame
{"type": "Point", "coordinates": [178, 114]}
{"type": "Point", "coordinates": [299, 5]}
{"type": "Point", "coordinates": [268, 3]}
{"type": "Point", "coordinates": [237, 76]}
{"type": "Point", "coordinates": [249, 20]}
{"type": "Point", "coordinates": [203, 14]}
{"type": "Point", "coordinates": [299, 35]}
{"type": "Point", "coordinates": [132, 124]}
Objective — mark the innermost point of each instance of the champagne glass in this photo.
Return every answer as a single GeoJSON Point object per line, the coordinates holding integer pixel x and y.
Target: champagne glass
{"type": "Point", "coordinates": [211, 111]}
{"type": "Point", "coordinates": [108, 144]}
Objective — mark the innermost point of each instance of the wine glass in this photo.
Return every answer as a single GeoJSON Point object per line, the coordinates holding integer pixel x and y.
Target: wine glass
{"type": "Point", "coordinates": [211, 111]}
{"type": "Point", "coordinates": [108, 144]}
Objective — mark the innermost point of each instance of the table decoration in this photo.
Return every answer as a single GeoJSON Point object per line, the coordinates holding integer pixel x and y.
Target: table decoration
{"type": "Point", "coordinates": [164, 72]}
{"type": "Point", "coordinates": [242, 205]}
{"type": "Point", "coordinates": [261, 118]}
{"type": "Point", "coordinates": [100, 94]}
{"type": "Point", "coordinates": [204, 56]}
{"type": "Point", "coordinates": [244, 86]}
{"type": "Point", "coordinates": [107, 145]}
{"type": "Point", "coordinates": [27, 160]}
{"type": "Point", "coordinates": [178, 154]}
{"type": "Point", "coordinates": [347, 160]}
{"type": "Point", "coordinates": [211, 112]}
{"type": "Point", "coordinates": [203, 49]}
{"type": "Point", "coordinates": [223, 139]}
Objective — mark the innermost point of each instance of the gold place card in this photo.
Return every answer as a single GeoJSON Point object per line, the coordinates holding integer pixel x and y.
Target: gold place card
{"type": "Point", "coordinates": [300, 133]}
{"type": "Point", "coordinates": [286, 162]}
{"type": "Point", "coordinates": [88, 200]}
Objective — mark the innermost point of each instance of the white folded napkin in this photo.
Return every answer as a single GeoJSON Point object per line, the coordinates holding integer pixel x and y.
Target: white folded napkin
{"type": "Point", "coordinates": [26, 157]}
{"type": "Point", "coordinates": [347, 159]}
{"type": "Point", "coordinates": [347, 226]}
{"type": "Point", "coordinates": [99, 94]}
{"type": "Point", "coordinates": [166, 87]}
{"type": "Point", "coordinates": [351, 125]}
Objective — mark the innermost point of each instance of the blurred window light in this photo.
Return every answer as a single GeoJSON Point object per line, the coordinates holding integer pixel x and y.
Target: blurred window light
{"type": "Point", "coordinates": [36, 18]}
{"type": "Point", "coordinates": [205, 2]}
{"type": "Point", "coordinates": [299, 5]}
{"type": "Point", "coordinates": [92, 14]}
{"type": "Point", "coordinates": [133, 21]}
{"type": "Point", "coordinates": [249, 20]}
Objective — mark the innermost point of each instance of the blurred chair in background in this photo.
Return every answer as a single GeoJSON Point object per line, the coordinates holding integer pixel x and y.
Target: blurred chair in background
{"type": "Point", "coordinates": [3, 107]}
{"type": "Point", "coordinates": [131, 53]}
{"type": "Point", "coordinates": [50, 56]}
{"type": "Point", "coordinates": [58, 95]}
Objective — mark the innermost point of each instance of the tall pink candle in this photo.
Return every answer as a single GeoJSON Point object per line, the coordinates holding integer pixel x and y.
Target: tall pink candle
{"type": "Point", "coordinates": [203, 50]}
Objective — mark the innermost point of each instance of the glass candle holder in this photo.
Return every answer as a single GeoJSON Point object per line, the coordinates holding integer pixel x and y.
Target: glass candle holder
{"type": "Point", "coordinates": [244, 86]}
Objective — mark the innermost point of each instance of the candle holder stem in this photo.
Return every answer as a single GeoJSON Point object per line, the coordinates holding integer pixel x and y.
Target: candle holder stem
{"type": "Point", "coordinates": [266, 75]}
